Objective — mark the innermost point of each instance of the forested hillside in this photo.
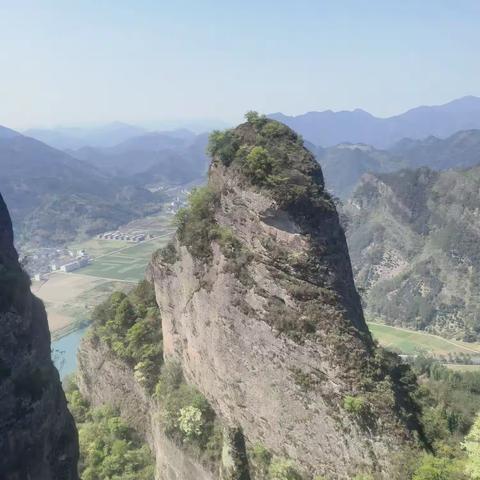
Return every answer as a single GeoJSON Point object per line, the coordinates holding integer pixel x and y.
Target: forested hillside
{"type": "Point", "coordinates": [344, 164]}
{"type": "Point", "coordinates": [54, 197]}
{"type": "Point", "coordinates": [414, 240]}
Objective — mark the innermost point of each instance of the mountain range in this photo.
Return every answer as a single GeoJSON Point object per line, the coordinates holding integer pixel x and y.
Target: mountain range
{"type": "Point", "coordinates": [54, 197]}
{"type": "Point", "coordinates": [414, 241]}
{"type": "Point", "coordinates": [344, 164]}
{"type": "Point", "coordinates": [177, 156]}
{"type": "Point", "coordinates": [330, 128]}
{"type": "Point", "coordinates": [65, 138]}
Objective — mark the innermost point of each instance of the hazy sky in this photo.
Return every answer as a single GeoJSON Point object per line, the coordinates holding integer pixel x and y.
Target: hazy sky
{"type": "Point", "coordinates": [92, 61]}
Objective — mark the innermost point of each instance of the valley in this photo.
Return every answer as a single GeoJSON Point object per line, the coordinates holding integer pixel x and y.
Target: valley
{"type": "Point", "coordinates": [193, 288]}
{"type": "Point", "coordinates": [70, 297]}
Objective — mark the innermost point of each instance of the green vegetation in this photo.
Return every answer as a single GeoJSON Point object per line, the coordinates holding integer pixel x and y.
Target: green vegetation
{"type": "Point", "coordinates": [254, 118]}
{"type": "Point", "coordinates": [410, 342]}
{"type": "Point", "coordinates": [130, 326]}
{"type": "Point", "coordinates": [109, 448]}
{"type": "Point", "coordinates": [450, 404]}
{"type": "Point", "coordinates": [186, 415]}
{"type": "Point", "coordinates": [167, 254]}
{"type": "Point", "coordinates": [258, 165]}
{"type": "Point", "coordinates": [354, 405]}
{"type": "Point", "coordinates": [271, 156]}
{"type": "Point", "coordinates": [196, 225]}
{"type": "Point", "coordinates": [223, 145]}
{"type": "Point", "coordinates": [434, 468]}
{"type": "Point", "coordinates": [415, 250]}
{"type": "Point", "coordinates": [266, 466]}
{"type": "Point", "coordinates": [283, 469]}
{"type": "Point", "coordinates": [197, 229]}
{"type": "Point", "coordinates": [471, 445]}
{"type": "Point", "coordinates": [128, 264]}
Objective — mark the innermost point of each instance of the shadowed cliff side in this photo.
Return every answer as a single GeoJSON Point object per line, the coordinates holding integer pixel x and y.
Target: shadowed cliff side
{"type": "Point", "coordinates": [38, 439]}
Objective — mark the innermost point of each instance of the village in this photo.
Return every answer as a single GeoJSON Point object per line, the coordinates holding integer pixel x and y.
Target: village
{"type": "Point", "coordinates": [46, 260]}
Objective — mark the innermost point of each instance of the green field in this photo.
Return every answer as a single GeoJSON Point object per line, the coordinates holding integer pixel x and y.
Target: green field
{"type": "Point", "coordinates": [128, 264]}
{"type": "Point", "coordinates": [96, 247]}
{"type": "Point", "coordinates": [463, 368]}
{"type": "Point", "coordinates": [410, 342]}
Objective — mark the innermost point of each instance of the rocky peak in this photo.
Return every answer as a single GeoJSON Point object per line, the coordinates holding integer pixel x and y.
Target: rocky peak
{"type": "Point", "coordinates": [38, 438]}
{"type": "Point", "coordinates": [259, 307]}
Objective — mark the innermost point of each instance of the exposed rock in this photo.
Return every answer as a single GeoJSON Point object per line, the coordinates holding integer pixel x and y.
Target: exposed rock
{"type": "Point", "coordinates": [259, 308]}
{"type": "Point", "coordinates": [277, 341]}
{"type": "Point", "coordinates": [103, 379]}
{"type": "Point", "coordinates": [38, 440]}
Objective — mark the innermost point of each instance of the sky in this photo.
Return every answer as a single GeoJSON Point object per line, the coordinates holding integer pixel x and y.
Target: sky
{"type": "Point", "coordinates": [84, 62]}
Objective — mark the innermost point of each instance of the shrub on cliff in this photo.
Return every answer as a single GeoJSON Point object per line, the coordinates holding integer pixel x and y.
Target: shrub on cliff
{"type": "Point", "coordinates": [130, 326]}
{"type": "Point", "coordinates": [223, 145]}
{"type": "Point", "coordinates": [255, 119]}
{"type": "Point", "coordinates": [109, 448]}
{"type": "Point", "coordinates": [197, 229]}
{"type": "Point", "coordinates": [283, 469]}
{"type": "Point", "coordinates": [355, 405]}
{"type": "Point", "coordinates": [196, 226]}
{"type": "Point", "coordinates": [258, 165]}
{"type": "Point", "coordinates": [186, 414]}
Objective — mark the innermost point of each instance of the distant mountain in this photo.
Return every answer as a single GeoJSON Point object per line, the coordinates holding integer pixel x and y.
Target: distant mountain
{"type": "Point", "coordinates": [173, 157]}
{"type": "Point", "coordinates": [65, 138]}
{"type": "Point", "coordinates": [54, 197]}
{"type": "Point", "coordinates": [344, 164]}
{"type": "Point", "coordinates": [7, 133]}
{"type": "Point", "coordinates": [330, 128]}
{"type": "Point", "coordinates": [460, 150]}
{"type": "Point", "coordinates": [414, 241]}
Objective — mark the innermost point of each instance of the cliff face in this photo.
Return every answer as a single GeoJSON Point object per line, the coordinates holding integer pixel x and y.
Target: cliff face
{"type": "Point", "coordinates": [38, 439]}
{"type": "Point", "coordinates": [265, 319]}
{"type": "Point", "coordinates": [103, 379]}
{"type": "Point", "coordinates": [259, 308]}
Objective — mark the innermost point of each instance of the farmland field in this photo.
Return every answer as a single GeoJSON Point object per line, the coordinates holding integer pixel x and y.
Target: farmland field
{"type": "Point", "coordinates": [463, 368]}
{"type": "Point", "coordinates": [96, 247]}
{"type": "Point", "coordinates": [410, 342]}
{"type": "Point", "coordinates": [69, 299]}
{"type": "Point", "coordinates": [126, 264]}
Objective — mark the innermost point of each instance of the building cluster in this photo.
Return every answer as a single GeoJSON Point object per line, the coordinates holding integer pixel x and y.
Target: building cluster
{"type": "Point", "coordinates": [128, 237]}
{"type": "Point", "coordinates": [79, 262]}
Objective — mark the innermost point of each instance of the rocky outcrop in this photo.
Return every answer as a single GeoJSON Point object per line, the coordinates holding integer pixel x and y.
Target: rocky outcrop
{"type": "Point", "coordinates": [38, 440]}
{"type": "Point", "coordinates": [103, 379]}
{"type": "Point", "coordinates": [266, 321]}
{"type": "Point", "coordinates": [259, 308]}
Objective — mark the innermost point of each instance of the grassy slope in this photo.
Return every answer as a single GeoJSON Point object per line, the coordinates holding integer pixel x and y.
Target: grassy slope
{"type": "Point", "coordinates": [411, 342]}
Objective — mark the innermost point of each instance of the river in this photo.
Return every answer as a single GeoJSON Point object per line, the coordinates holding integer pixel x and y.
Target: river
{"type": "Point", "coordinates": [64, 352]}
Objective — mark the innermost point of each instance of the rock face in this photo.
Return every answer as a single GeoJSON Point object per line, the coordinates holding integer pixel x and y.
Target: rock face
{"type": "Point", "coordinates": [103, 379]}
{"type": "Point", "coordinates": [266, 320]}
{"type": "Point", "coordinates": [38, 439]}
